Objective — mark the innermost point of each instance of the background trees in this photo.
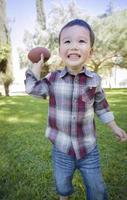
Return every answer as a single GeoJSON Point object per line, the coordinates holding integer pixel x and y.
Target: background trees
{"type": "Point", "coordinates": [110, 31]}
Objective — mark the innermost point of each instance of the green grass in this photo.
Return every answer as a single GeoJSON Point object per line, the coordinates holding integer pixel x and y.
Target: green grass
{"type": "Point", "coordinates": [25, 153]}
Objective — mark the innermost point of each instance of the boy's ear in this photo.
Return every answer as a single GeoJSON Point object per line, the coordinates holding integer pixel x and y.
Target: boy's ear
{"type": "Point", "coordinates": [59, 52]}
{"type": "Point", "coordinates": [90, 54]}
{"type": "Point", "coordinates": [91, 51]}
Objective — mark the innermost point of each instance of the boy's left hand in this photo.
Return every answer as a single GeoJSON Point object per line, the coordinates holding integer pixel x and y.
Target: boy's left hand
{"type": "Point", "coordinates": [120, 134]}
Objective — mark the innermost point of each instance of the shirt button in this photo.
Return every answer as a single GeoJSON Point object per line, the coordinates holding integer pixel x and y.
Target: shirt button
{"type": "Point", "coordinates": [74, 99]}
{"type": "Point", "coordinates": [76, 80]}
{"type": "Point", "coordinates": [74, 117]}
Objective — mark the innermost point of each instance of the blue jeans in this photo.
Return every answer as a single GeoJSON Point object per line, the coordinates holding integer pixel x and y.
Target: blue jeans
{"type": "Point", "coordinates": [64, 167]}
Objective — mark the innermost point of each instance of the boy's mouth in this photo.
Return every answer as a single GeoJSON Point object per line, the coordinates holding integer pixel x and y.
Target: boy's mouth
{"type": "Point", "coordinates": [73, 55]}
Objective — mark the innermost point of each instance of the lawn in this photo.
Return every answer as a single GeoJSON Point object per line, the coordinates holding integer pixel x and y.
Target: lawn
{"type": "Point", "coordinates": [25, 153]}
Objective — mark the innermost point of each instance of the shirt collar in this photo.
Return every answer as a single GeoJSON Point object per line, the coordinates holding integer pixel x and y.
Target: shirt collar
{"type": "Point", "coordinates": [85, 71]}
{"type": "Point", "coordinates": [63, 72]}
{"type": "Point", "coordinates": [88, 73]}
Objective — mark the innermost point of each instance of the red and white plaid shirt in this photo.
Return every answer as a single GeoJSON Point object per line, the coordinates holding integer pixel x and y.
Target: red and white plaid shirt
{"type": "Point", "coordinates": [73, 100]}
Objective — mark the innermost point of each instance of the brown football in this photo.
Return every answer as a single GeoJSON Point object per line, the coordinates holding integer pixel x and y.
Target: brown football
{"type": "Point", "coordinates": [34, 54]}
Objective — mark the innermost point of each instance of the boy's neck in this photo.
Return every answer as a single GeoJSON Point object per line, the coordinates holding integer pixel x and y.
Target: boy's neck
{"type": "Point", "coordinates": [75, 71]}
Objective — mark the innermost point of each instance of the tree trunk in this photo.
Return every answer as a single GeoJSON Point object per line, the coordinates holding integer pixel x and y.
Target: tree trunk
{"type": "Point", "coordinates": [5, 66]}
{"type": "Point", "coordinates": [40, 14]}
{"type": "Point", "coordinates": [6, 88]}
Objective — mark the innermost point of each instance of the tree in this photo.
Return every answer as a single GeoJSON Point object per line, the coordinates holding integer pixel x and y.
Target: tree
{"type": "Point", "coordinates": [111, 41]}
{"type": "Point", "coordinates": [6, 76]}
{"type": "Point", "coordinates": [40, 37]}
{"type": "Point", "coordinates": [40, 14]}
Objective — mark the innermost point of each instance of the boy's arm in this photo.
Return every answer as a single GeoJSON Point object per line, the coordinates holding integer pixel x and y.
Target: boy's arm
{"type": "Point", "coordinates": [101, 108]}
{"type": "Point", "coordinates": [33, 84]}
{"type": "Point", "coordinates": [103, 112]}
{"type": "Point", "coordinates": [118, 132]}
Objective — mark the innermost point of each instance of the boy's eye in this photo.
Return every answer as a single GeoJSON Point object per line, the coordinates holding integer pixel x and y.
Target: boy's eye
{"type": "Point", "coordinates": [67, 41]}
{"type": "Point", "coordinates": [82, 41]}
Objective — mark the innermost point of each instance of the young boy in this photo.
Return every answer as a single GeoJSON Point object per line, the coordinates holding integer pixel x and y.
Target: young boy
{"type": "Point", "coordinates": [74, 95]}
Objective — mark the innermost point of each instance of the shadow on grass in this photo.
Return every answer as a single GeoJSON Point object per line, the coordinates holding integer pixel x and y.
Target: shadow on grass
{"type": "Point", "coordinates": [25, 161]}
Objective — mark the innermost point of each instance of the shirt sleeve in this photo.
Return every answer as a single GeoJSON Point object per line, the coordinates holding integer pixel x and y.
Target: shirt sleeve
{"type": "Point", "coordinates": [101, 106]}
{"type": "Point", "coordinates": [35, 86]}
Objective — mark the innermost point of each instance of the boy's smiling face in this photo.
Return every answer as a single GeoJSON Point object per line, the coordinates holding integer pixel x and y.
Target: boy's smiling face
{"type": "Point", "coordinates": [75, 47]}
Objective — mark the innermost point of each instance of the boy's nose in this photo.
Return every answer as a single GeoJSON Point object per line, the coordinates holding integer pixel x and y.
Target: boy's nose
{"type": "Point", "coordinates": [74, 45]}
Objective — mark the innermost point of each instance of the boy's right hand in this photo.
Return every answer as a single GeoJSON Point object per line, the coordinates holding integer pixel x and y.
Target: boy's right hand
{"type": "Point", "coordinates": [36, 67]}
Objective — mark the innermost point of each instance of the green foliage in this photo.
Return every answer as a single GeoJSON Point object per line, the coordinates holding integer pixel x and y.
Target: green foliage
{"type": "Point", "coordinates": [4, 51]}
{"type": "Point", "coordinates": [111, 37]}
{"type": "Point", "coordinates": [25, 153]}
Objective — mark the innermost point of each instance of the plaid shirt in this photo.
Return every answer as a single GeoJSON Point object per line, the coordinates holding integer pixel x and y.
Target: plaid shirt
{"type": "Point", "coordinates": [73, 100]}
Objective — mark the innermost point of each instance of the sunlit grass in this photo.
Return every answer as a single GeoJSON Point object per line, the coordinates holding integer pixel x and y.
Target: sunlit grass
{"type": "Point", "coordinates": [25, 153]}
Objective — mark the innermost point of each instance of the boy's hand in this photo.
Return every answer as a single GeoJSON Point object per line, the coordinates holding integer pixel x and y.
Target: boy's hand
{"type": "Point", "coordinates": [118, 132]}
{"type": "Point", "coordinates": [36, 68]}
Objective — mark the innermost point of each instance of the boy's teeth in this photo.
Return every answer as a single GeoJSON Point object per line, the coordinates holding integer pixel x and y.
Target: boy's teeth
{"type": "Point", "coordinates": [73, 56]}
